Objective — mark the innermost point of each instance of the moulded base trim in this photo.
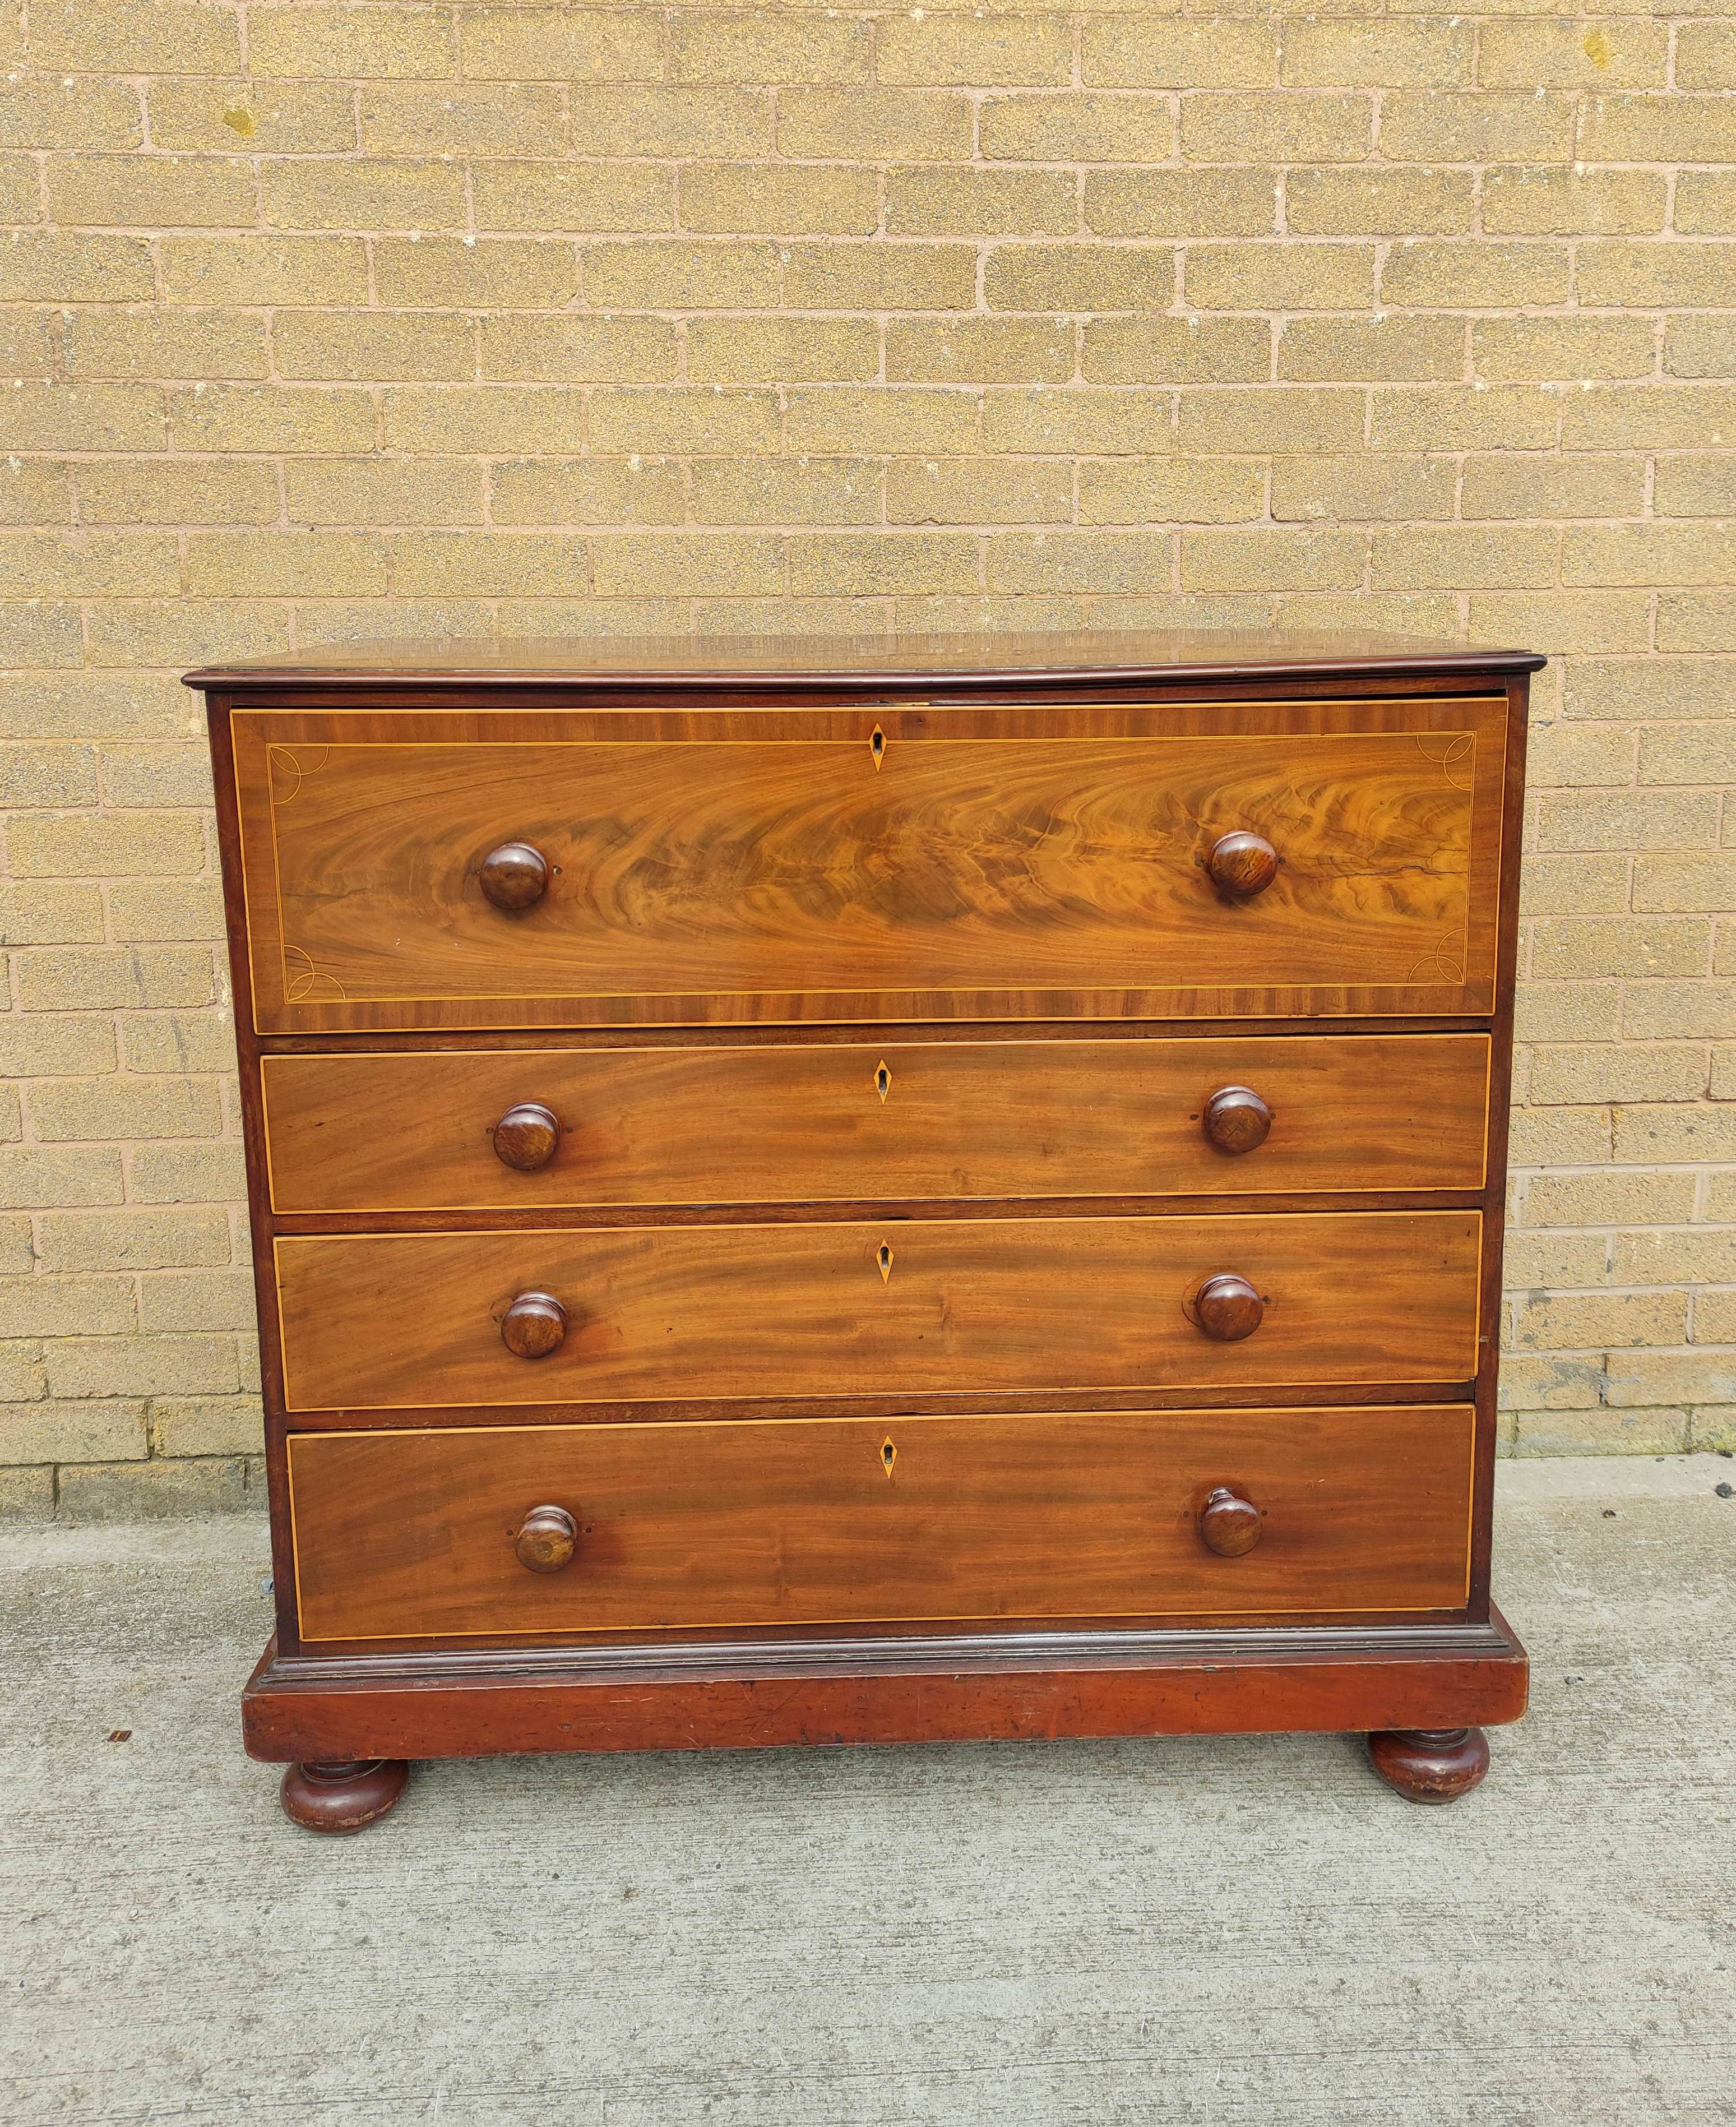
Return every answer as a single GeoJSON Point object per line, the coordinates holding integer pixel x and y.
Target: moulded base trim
{"type": "Point", "coordinates": [981, 1688]}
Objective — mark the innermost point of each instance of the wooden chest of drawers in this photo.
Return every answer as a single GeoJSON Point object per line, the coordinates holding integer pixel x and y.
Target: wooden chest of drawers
{"type": "Point", "coordinates": [870, 1192]}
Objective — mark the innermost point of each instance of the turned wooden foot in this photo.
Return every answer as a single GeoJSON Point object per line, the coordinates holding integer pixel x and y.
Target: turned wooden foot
{"type": "Point", "coordinates": [1431, 1764]}
{"type": "Point", "coordinates": [343, 1796]}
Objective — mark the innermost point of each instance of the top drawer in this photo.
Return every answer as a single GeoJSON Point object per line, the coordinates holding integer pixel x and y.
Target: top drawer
{"type": "Point", "coordinates": [876, 863]}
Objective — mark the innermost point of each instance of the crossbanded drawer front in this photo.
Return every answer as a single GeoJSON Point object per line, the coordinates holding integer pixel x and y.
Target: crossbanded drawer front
{"type": "Point", "coordinates": [885, 1309]}
{"type": "Point", "coordinates": [880, 864]}
{"type": "Point", "coordinates": [899, 1521]}
{"type": "Point", "coordinates": [806, 1122]}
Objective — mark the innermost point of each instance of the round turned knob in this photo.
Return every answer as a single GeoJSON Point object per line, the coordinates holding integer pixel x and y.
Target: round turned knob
{"type": "Point", "coordinates": [1228, 1524]}
{"type": "Point", "coordinates": [547, 1539]}
{"type": "Point", "coordinates": [1227, 1308]}
{"type": "Point", "coordinates": [1243, 864]}
{"type": "Point", "coordinates": [1236, 1119]}
{"type": "Point", "coordinates": [515, 875]}
{"type": "Point", "coordinates": [534, 1325]}
{"type": "Point", "coordinates": [526, 1136]}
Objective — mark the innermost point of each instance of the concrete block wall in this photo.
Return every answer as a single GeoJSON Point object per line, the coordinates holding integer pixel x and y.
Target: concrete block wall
{"type": "Point", "coordinates": [319, 321]}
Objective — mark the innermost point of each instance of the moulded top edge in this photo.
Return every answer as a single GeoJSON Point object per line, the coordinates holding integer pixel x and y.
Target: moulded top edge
{"type": "Point", "coordinates": [925, 660]}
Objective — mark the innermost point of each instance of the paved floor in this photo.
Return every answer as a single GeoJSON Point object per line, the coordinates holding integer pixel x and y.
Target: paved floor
{"type": "Point", "coordinates": [1249, 1933]}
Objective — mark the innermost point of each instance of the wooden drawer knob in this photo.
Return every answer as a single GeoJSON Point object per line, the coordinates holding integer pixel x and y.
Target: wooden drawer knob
{"type": "Point", "coordinates": [547, 1540]}
{"type": "Point", "coordinates": [1243, 864]}
{"type": "Point", "coordinates": [1228, 1524]}
{"type": "Point", "coordinates": [526, 1136]}
{"type": "Point", "coordinates": [1236, 1119]}
{"type": "Point", "coordinates": [1227, 1308]}
{"type": "Point", "coordinates": [534, 1325]}
{"type": "Point", "coordinates": [515, 875]}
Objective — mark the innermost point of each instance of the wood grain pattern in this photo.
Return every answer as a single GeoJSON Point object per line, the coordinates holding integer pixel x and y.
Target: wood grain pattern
{"type": "Point", "coordinates": [792, 1523]}
{"type": "Point", "coordinates": [342, 1796]}
{"type": "Point", "coordinates": [526, 1138]}
{"type": "Point", "coordinates": [1511, 838]}
{"type": "Point", "coordinates": [810, 1123]}
{"type": "Point", "coordinates": [1227, 1307]}
{"type": "Point", "coordinates": [1241, 865]}
{"type": "Point", "coordinates": [513, 877]}
{"type": "Point", "coordinates": [885, 1309]}
{"type": "Point", "coordinates": [533, 1325]}
{"type": "Point", "coordinates": [914, 1681]}
{"type": "Point", "coordinates": [1430, 1765]}
{"type": "Point", "coordinates": [985, 1686]}
{"type": "Point", "coordinates": [546, 1540]}
{"type": "Point", "coordinates": [979, 866]}
{"type": "Point", "coordinates": [1236, 1120]}
{"type": "Point", "coordinates": [1229, 1525]}
{"type": "Point", "coordinates": [855, 661]}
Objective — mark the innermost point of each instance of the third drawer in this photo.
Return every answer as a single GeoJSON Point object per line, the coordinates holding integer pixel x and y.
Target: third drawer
{"type": "Point", "coordinates": [891, 1307]}
{"type": "Point", "coordinates": [810, 1122]}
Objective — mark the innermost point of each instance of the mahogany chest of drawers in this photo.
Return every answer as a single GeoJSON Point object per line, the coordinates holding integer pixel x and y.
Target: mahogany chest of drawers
{"type": "Point", "coordinates": [874, 1191]}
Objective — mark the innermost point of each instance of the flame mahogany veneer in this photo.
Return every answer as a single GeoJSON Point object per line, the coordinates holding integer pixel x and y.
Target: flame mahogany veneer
{"type": "Point", "coordinates": [873, 1191]}
{"type": "Point", "coordinates": [879, 1522]}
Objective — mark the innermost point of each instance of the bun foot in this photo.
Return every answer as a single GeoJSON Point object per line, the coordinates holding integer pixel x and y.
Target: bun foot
{"type": "Point", "coordinates": [1431, 1764]}
{"type": "Point", "coordinates": [343, 1796]}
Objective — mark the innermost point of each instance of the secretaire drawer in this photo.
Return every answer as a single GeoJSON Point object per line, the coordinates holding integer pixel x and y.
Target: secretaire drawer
{"type": "Point", "coordinates": [899, 1521]}
{"type": "Point", "coordinates": [899, 1121]}
{"type": "Point", "coordinates": [893, 1308]}
{"type": "Point", "coordinates": [889, 862]}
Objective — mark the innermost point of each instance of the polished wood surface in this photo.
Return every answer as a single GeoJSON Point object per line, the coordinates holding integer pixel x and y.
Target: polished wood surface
{"type": "Point", "coordinates": [547, 1540]}
{"type": "Point", "coordinates": [525, 1138]}
{"type": "Point", "coordinates": [979, 1687]}
{"type": "Point", "coordinates": [515, 876]}
{"type": "Point", "coordinates": [342, 1795]}
{"type": "Point", "coordinates": [883, 1309]}
{"type": "Point", "coordinates": [533, 1325]}
{"type": "Point", "coordinates": [885, 1121]}
{"type": "Point", "coordinates": [1430, 1765]}
{"type": "Point", "coordinates": [1491, 1301]}
{"type": "Point", "coordinates": [1242, 865]}
{"type": "Point", "coordinates": [854, 661]}
{"type": "Point", "coordinates": [797, 1522]}
{"type": "Point", "coordinates": [976, 865]}
{"type": "Point", "coordinates": [1228, 1307]}
{"type": "Point", "coordinates": [645, 1114]}
{"type": "Point", "coordinates": [1237, 1119]}
{"type": "Point", "coordinates": [1229, 1525]}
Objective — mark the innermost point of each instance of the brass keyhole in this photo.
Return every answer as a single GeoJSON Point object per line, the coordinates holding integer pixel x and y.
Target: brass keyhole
{"type": "Point", "coordinates": [877, 746]}
{"type": "Point", "coordinates": [884, 1258]}
{"type": "Point", "coordinates": [888, 1455]}
{"type": "Point", "coordinates": [882, 1082]}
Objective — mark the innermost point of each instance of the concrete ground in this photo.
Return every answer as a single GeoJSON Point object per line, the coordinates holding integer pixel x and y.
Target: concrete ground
{"type": "Point", "coordinates": [1246, 1933]}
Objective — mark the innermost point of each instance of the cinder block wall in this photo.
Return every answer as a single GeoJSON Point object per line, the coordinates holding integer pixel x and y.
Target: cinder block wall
{"type": "Point", "coordinates": [321, 321]}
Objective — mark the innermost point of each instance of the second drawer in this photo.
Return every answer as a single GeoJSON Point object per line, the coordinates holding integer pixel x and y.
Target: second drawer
{"type": "Point", "coordinates": [811, 1122]}
{"type": "Point", "coordinates": [893, 1308]}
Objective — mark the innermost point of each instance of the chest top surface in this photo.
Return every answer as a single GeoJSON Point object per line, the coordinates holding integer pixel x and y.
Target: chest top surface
{"type": "Point", "coordinates": [937, 661]}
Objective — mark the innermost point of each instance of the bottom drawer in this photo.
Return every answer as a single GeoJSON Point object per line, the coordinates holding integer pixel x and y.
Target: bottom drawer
{"type": "Point", "coordinates": [413, 1535]}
